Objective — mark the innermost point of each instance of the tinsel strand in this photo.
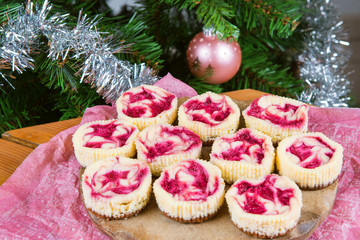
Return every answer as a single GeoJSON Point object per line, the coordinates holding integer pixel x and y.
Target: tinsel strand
{"type": "Point", "coordinates": [326, 54]}
{"type": "Point", "coordinates": [100, 67]}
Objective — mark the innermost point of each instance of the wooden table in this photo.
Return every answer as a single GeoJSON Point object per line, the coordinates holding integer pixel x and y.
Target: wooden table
{"type": "Point", "coordinates": [17, 144]}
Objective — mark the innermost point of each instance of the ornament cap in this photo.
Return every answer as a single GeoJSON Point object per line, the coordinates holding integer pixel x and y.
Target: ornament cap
{"type": "Point", "coordinates": [210, 32]}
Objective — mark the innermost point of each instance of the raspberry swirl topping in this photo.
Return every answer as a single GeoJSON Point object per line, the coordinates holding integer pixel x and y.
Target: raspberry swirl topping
{"type": "Point", "coordinates": [165, 139]}
{"type": "Point", "coordinates": [107, 135]}
{"type": "Point", "coordinates": [210, 110]}
{"type": "Point", "coordinates": [143, 102]}
{"type": "Point", "coordinates": [310, 152]}
{"type": "Point", "coordinates": [283, 114]}
{"type": "Point", "coordinates": [189, 181]}
{"type": "Point", "coordinates": [241, 146]}
{"type": "Point", "coordinates": [264, 198]}
{"type": "Point", "coordinates": [120, 178]}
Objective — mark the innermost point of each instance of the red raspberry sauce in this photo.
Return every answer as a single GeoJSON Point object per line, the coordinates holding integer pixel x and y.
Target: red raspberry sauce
{"type": "Point", "coordinates": [304, 151]}
{"type": "Point", "coordinates": [176, 187]}
{"type": "Point", "coordinates": [111, 182]}
{"type": "Point", "coordinates": [259, 112]}
{"type": "Point", "coordinates": [264, 190]}
{"type": "Point", "coordinates": [106, 131]}
{"type": "Point", "coordinates": [216, 110]}
{"type": "Point", "coordinates": [156, 107]}
{"type": "Point", "coordinates": [234, 154]}
{"type": "Point", "coordinates": [163, 148]}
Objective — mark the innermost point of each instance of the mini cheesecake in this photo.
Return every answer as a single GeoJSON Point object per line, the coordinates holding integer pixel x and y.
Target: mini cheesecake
{"type": "Point", "coordinates": [190, 190]}
{"type": "Point", "coordinates": [312, 160]}
{"type": "Point", "coordinates": [247, 153]}
{"type": "Point", "coordinates": [266, 207]}
{"type": "Point", "coordinates": [276, 116]}
{"type": "Point", "coordinates": [161, 145]}
{"type": "Point", "coordinates": [209, 115]}
{"type": "Point", "coordinates": [104, 138]}
{"type": "Point", "coordinates": [117, 187]}
{"type": "Point", "coordinates": [147, 105]}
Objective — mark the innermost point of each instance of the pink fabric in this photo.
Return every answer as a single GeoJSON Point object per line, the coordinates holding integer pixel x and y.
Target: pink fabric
{"type": "Point", "coordinates": [41, 199]}
{"type": "Point", "coordinates": [175, 86]}
{"type": "Point", "coordinates": [343, 126]}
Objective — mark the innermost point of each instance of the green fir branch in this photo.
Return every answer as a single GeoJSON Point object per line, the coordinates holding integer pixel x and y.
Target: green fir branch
{"type": "Point", "coordinates": [275, 17]}
{"type": "Point", "coordinates": [215, 14]}
{"type": "Point", "coordinates": [29, 104]}
{"type": "Point", "coordinates": [74, 103]}
{"type": "Point", "coordinates": [57, 75]}
{"type": "Point", "coordinates": [7, 10]}
{"type": "Point", "coordinates": [142, 47]}
{"type": "Point", "coordinates": [12, 114]}
{"type": "Point", "coordinates": [260, 71]}
{"type": "Point", "coordinates": [173, 30]}
{"type": "Point", "coordinates": [218, 14]}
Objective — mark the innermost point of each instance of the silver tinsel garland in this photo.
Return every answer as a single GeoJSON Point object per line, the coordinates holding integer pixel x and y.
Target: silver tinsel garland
{"type": "Point", "coordinates": [100, 68]}
{"type": "Point", "coordinates": [326, 54]}
{"type": "Point", "coordinates": [322, 65]}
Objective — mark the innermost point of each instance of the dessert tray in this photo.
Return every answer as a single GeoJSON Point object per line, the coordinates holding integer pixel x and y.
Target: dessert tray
{"type": "Point", "coordinates": [150, 223]}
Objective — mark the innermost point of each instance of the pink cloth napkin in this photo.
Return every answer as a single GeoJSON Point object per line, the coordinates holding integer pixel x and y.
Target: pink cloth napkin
{"type": "Point", "coordinates": [175, 86]}
{"type": "Point", "coordinates": [343, 126]}
{"type": "Point", "coordinates": [42, 200]}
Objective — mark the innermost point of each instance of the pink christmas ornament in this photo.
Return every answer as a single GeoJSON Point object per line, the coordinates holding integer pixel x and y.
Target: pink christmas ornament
{"type": "Point", "coordinates": [213, 60]}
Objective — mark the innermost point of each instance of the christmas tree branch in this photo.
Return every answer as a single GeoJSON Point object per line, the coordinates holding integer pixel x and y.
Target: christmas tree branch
{"type": "Point", "coordinates": [10, 117]}
{"type": "Point", "coordinates": [276, 17]}
{"type": "Point", "coordinates": [142, 47]}
{"type": "Point", "coordinates": [7, 10]}
{"type": "Point", "coordinates": [71, 105]}
{"type": "Point", "coordinates": [215, 14]}
{"type": "Point", "coordinates": [259, 71]}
